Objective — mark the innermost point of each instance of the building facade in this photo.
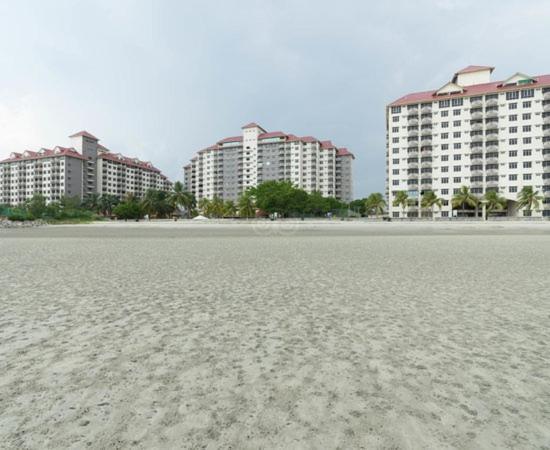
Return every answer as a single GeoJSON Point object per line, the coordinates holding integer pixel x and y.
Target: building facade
{"type": "Point", "coordinates": [234, 164]}
{"type": "Point", "coordinates": [488, 136]}
{"type": "Point", "coordinates": [85, 168]}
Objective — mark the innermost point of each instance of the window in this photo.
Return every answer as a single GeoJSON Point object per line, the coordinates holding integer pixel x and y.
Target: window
{"type": "Point", "coordinates": [513, 165]}
{"type": "Point", "coordinates": [527, 93]}
{"type": "Point", "coordinates": [513, 189]}
{"type": "Point", "coordinates": [513, 129]}
{"type": "Point", "coordinates": [395, 182]}
{"type": "Point", "coordinates": [395, 109]}
{"type": "Point", "coordinates": [444, 169]}
{"type": "Point", "coordinates": [457, 168]}
{"type": "Point", "coordinates": [457, 157]}
{"type": "Point", "coordinates": [444, 191]}
{"type": "Point", "coordinates": [457, 145]}
{"type": "Point", "coordinates": [514, 95]}
{"type": "Point", "coordinates": [444, 103]}
{"type": "Point", "coordinates": [457, 180]}
{"type": "Point", "coordinates": [444, 180]}
{"type": "Point", "coordinates": [513, 177]}
{"type": "Point", "coordinates": [526, 128]}
{"type": "Point", "coordinates": [526, 116]}
{"type": "Point", "coordinates": [444, 135]}
{"type": "Point", "coordinates": [395, 118]}
{"type": "Point", "coordinates": [395, 150]}
{"type": "Point", "coordinates": [512, 153]}
{"type": "Point", "coordinates": [513, 141]}
{"type": "Point", "coordinates": [457, 123]}
{"type": "Point", "coordinates": [444, 124]}
{"type": "Point", "coordinates": [395, 161]}
{"type": "Point", "coordinates": [444, 157]}
{"type": "Point", "coordinates": [444, 146]}
{"type": "Point", "coordinates": [512, 106]}
{"type": "Point", "coordinates": [527, 104]}
{"type": "Point", "coordinates": [395, 130]}
{"type": "Point", "coordinates": [444, 113]}
{"type": "Point", "coordinates": [458, 101]}
{"type": "Point", "coordinates": [512, 117]}
{"type": "Point", "coordinates": [527, 140]}
{"type": "Point", "coordinates": [395, 140]}
{"type": "Point", "coordinates": [527, 176]}
{"type": "Point", "coordinates": [395, 171]}
{"type": "Point", "coordinates": [457, 134]}
{"type": "Point", "coordinates": [456, 112]}
{"type": "Point", "coordinates": [527, 152]}
{"type": "Point", "coordinates": [526, 164]}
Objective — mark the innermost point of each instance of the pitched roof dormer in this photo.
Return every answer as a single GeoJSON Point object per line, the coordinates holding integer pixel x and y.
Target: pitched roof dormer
{"type": "Point", "coordinates": [518, 79]}
{"type": "Point", "coordinates": [450, 88]}
{"type": "Point", "coordinates": [473, 75]}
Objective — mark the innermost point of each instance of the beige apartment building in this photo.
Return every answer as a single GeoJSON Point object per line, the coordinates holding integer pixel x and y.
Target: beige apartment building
{"type": "Point", "coordinates": [486, 135]}
{"type": "Point", "coordinates": [233, 164]}
{"type": "Point", "coordinates": [85, 168]}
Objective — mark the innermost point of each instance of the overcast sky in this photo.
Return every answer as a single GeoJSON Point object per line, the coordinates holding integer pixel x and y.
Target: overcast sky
{"type": "Point", "coordinates": [162, 79]}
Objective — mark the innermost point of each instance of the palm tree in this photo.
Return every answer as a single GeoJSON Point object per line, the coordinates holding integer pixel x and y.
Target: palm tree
{"type": "Point", "coordinates": [229, 209]}
{"type": "Point", "coordinates": [204, 206]}
{"type": "Point", "coordinates": [401, 199]}
{"type": "Point", "coordinates": [149, 203]}
{"type": "Point", "coordinates": [529, 199]}
{"type": "Point", "coordinates": [464, 197]}
{"type": "Point", "coordinates": [375, 203]}
{"type": "Point", "coordinates": [179, 198]}
{"type": "Point", "coordinates": [108, 202]}
{"type": "Point", "coordinates": [247, 207]}
{"type": "Point", "coordinates": [431, 200]}
{"type": "Point", "coordinates": [494, 202]}
{"type": "Point", "coordinates": [91, 202]}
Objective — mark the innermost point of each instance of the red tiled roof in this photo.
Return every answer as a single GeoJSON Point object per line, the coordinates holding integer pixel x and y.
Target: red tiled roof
{"type": "Point", "coordinates": [344, 152]}
{"type": "Point", "coordinates": [46, 153]}
{"type": "Point", "coordinates": [476, 89]}
{"type": "Point", "coordinates": [231, 139]}
{"type": "Point", "coordinates": [128, 161]}
{"type": "Point", "coordinates": [85, 134]}
{"type": "Point", "coordinates": [327, 144]}
{"type": "Point", "coordinates": [253, 125]}
{"type": "Point", "coordinates": [470, 69]}
{"type": "Point", "coordinates": [271, 134]}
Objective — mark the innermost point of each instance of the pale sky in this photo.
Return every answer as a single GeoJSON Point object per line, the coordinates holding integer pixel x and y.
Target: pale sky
{"type": "Point", "coordinates": [160, 80]}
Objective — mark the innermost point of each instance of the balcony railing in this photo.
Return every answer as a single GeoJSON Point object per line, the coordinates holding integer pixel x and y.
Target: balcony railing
{"type": "Point", "coordinates": [412, 121]}
{"type": "Point", "coordinates": [476, 104]}
{"type": "Point", "coordinates": [477, 115]}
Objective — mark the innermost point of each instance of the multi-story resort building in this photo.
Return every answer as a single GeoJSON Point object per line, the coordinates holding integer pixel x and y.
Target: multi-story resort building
{"type": "Point", "coordinates": [234, 164]}
{"type": "Point", "coordinates": [471, 132]}
{"type": "Point", "coordinates": [85, 168]}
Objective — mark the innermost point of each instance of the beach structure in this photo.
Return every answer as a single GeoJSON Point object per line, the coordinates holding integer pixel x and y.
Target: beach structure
{"type": "Point", "coordinates": [234, 164]}
{"type": "Point", "coordinates": [85, 168]}
{"type": "Point", "coordinates": [474, 132]}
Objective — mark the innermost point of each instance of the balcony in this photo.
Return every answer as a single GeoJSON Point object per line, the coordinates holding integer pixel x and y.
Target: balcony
{"type": "Point", "coordinates": [426, 121]}
{"type": "Point", "coordinates": [546, 120]}
{"type": "Point", "coordinates": [491, 125]}
{"type": "Point", "coordinates": [546, 96]}
{"type": "Point", "coordinates": [476, 183]}
{"type": "Point", "coordinates": [476, 172]}
{"type": "Point", "coordinates": [546, 132]}
{"type": "Point", "coordinates": [491, 160]}
{"type": "Point", "coordinates": [476, 104]}
{"type": "Point", "coordinates": [412, 165]}
{"type": "Point", "coordinates": [477, 138]}
{"type": "Point", "coordinates": [426, 186]}
{"type": "Point", "coordinates": [546, 108]}
{"type": "Point", "coordinates": [413, 133]}
{"type": "Point", "coordinates": [493, 134]}
{"type": "Point", "coordinates": [491, 114]}
{"type": "Point", "coordinates": [427, 163]}
{"type": "Point", "coordinates": [491, 171]}
{"type": "Point", "coordinates": [492, 183]}
{"type": "Point", "coordinates": [477, 127]}
{"type": "Point", "coordinates": [412, 121]}
{"type": "Point", "coordinates": [412, 112]}
{"type": "Point", "coordinates": [546, 157]}
{"type": "Point", "coordinates": [476, 115]}
{"type": "Point", "coordinates": [426, 142]}
{"type": "Point", "coordinates": [546, 144]}
{"type": "Point", "coordinates": [491, 102]}
{"type": "Point", "coordinates": [492, 148]}
{"type": "Point", "coordinates": [412, 176]}
{"type": "Point", "coordinates": [426, 110]}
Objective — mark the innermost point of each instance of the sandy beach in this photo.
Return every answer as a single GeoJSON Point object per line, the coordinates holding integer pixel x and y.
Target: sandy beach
{"type": "Point", "coordinates": [289, 336]}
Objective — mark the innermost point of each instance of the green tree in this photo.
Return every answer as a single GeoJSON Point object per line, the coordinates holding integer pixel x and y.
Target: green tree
{"type": "Point", "coordinates": [494, 202]}
{"type": "Point", "coordinates": [156, 203]}
{"type": "Point", "coordinates": [529, 199]}
{"type": "Point", "coordinates": [276, 197]}
{"type": "Point", "coordinates": [180, 198]}
{"type": "Point", "coordinates": [430, 200]}
{"type": "Point", "coordinates": [129, 208]}
{"type": "Point", "coordinates": [401, 199]}
{"type": "Point", "coordinates": [375, 204]}
{"type": "Point", "coordinates": [36, 206]}
{"type": "Point", "coordinates": [91, 202]}
{"type": "Point", "coordinates": [106, 203]}
{"type": "Point", "coordinates": [246, 205]}
{"type": "Point", "coordinates": [229, 209]}
{"type": "Point", "coordinates": [463, 198]}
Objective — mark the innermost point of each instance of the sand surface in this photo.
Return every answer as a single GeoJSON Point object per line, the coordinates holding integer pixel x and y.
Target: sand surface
{"type": "Point", "coordinates": [275, 336]}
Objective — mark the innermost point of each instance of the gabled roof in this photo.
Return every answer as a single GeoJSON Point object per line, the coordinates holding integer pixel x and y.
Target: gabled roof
{"type": "Point", "coordinates": [473, 90]}
{"type": "Point", "coordinates": [134, 162]}
{"type": "Point", "coordinates": [272, 134]}
{"type": "Point", "coordinates": [85, 134]}
{"type": "Point", "coordinates": [327, 144]}
{"type": "Point", "coordinates": [28, 155]}
{"type": "Point", "coordinates": [344, 152]}
{"type": "Point", "coordinates": [471, 69]}
{"type": "Point", "coordinates": [253, 125]}
{"type": "Point", "coordinates": [231, 139]}
{"type": "Point", "coordinates": [449, 88]}
{"type": "Point", "coordinates": [516, 78]}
